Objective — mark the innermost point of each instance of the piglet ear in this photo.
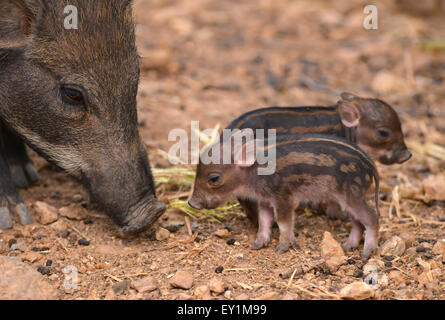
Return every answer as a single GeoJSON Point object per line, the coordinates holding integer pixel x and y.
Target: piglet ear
{"type": "Point", "coordinates": [349, 113]}
{"type": "Point", "coordinates": [349, 96]}
{"type": "Point", "coordinates": [244, 155]}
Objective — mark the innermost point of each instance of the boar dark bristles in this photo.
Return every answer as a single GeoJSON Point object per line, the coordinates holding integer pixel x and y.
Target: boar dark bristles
{"type": "Point", "coordinates": [70, 94]}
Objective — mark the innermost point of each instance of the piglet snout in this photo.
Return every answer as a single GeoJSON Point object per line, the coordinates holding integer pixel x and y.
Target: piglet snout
{"type": "Point", "coordinates": [405, 155]}
{"type": "Point", "coordinates": [192, 203]}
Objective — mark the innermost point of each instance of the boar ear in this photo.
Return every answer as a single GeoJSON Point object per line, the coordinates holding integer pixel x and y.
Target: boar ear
{"type": "Point", "coordinates": [349, 96]}
{"type": "Point", "coordinates": [245, 155]}
{"type": "Point", "coordinates": [349, 113]}
{"type": "Point", "coordinates": [17, 19]}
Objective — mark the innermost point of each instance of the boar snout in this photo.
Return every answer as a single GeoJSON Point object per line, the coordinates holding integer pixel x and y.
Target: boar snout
{"type": "Point", "coordinates": [122, 185]}
{"type": "Point", "coordinates": [144, 215]}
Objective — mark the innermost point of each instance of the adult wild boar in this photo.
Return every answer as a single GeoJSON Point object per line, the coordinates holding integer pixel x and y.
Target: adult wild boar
{"type": "Point", "coordinates": [70, 94]}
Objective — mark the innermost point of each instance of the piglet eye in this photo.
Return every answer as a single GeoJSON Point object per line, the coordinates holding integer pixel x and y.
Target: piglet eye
{"type": "Point", "coordinates": [214, 179]}
{"type": "Point", "coordinates": [383, 133]}
{"type": "Point", "coordinates": [71, 96]}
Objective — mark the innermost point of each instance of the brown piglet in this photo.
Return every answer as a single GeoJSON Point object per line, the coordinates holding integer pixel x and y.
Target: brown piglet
{"type": "Point", "coordinates": [307, 167]}
{"type": "Point", "coordinates": [370, 123]}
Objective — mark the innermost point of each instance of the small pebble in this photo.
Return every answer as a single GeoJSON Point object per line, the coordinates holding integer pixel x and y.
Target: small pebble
{"type": "Point", "coordinates": [162, 234]}
{"type": "Point", "coordinates": [231, 241]}
{"type": "Point", "coordinates": [88, 221]}
{"type": "Point", "coordinates": [64, 234]}
{"type": "Point", "coordinates": [222, 233]}
{"type": "Point", "coordinates": [77, 198]}
{"type": "Point", "coordinates": [15, 246]}
{"type": "Point", "coordinates": [217, 286]}
{"type": "Point", "coordinates": [428, 255]}
{"type": "Point", "coordinates": [43, 270]}
{"type": "Point", "coordinates": [83, 242]}
{"type": "Point", "coordinates": [182, 279]}
{"type": "Point", "coordinates": [358, 273]}
{"type": "Point", "coordinates": [219, 269]}
{"type": "Point", "coordinates": [121, 287]}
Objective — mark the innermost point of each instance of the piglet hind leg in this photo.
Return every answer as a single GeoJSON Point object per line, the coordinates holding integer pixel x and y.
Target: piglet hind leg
{"type": "Point", "coordinates": [285, 220]}
{"type": "Point", "coordinates": [368, 218]}
{"type": "Point", "coordinates": [265, 222]}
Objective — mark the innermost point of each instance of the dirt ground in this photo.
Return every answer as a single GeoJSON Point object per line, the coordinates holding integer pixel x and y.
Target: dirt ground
{"type": "Point", "coordinates": [213, 60]}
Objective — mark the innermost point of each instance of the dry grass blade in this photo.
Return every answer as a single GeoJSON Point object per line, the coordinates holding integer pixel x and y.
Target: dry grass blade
{"type": "Point", "coordinates": [395, 203]}
{"type": "Point", "coordinates": [239, 269]}
{"type": "Point", "coordinates": [435, 44]}
{"type": "Point", "coordinates": [174, 175]}
{"type": "Point", "coordinates": [213, 214]}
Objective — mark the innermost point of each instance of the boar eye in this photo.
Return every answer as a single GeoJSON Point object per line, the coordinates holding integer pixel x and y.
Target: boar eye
{"type": "Point", "coordinates": [383, 133]}
{"type": "Point", "coordinates": [214, 179]}
{"type": "Point", "coordinates": [72, 96]}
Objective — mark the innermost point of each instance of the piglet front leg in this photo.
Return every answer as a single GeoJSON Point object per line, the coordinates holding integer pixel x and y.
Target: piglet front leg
{"type": "Point", "coordinates": [265, 222]}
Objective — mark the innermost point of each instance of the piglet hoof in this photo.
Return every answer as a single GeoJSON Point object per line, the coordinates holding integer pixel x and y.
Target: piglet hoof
{"type": "Point", "coordinates": [349, 246]}
{"type": "Point", "coordinates": [259, 243]}
{"type": "Point", "coordinates": [282, 247]}
{"type": "Point", "coordinates": [143, 217]}
{"type": "Point", "coordinates": [294, 243]}
{"type": "Point", "coordinates": [346, 247]}
{"type": "Point", "coordinates": [5, 218]}
{"type": "Point", "coordinates": [23, 214]}
{"type": "Point", "coordinates": [366, 253]}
